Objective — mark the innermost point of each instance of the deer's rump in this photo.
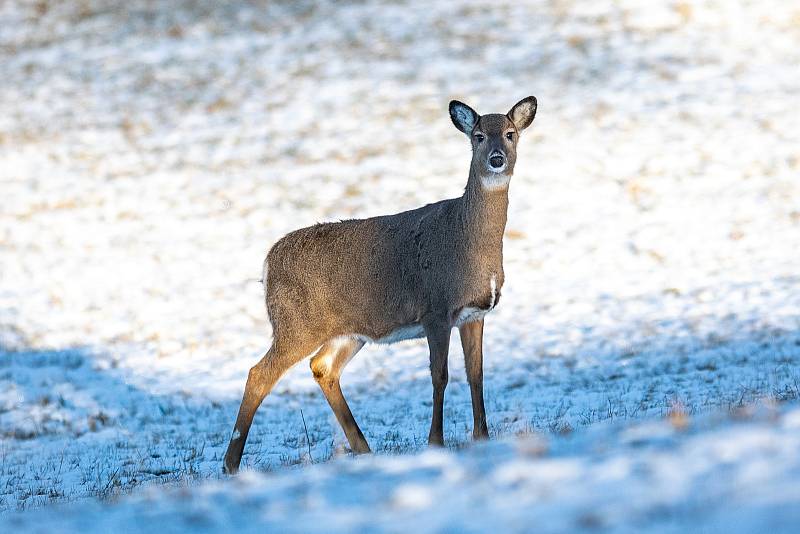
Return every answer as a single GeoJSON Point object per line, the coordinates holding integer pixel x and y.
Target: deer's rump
{"type": "Point", "coordinates": [350, 277]}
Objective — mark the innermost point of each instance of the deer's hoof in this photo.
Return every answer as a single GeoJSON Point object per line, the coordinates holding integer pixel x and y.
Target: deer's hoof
{"type": "Point", "coordinates": [436, 441]}
{"type": "Point", "coordinates": [229, 467]}
{"type": "Point", "coordinates": [480, 434]}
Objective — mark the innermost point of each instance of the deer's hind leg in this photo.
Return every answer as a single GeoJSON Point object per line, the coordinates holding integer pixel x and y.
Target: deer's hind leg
{"type": "Point", "coordinates": [260, 381]}
{"type": "Point", "coordinates": [327, 367]}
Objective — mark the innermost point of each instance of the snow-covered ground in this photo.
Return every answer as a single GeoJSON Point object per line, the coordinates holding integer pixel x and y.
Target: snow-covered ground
{"type": "Point", "coordinates": [151, 152]}
{"type": "Point", "coordinates": [670, 476]}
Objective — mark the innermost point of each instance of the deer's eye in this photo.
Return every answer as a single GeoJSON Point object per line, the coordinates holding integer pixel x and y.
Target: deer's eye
{"type": "Point", "coordinates": [479, 137]}
{"type": "Point", "coordinates": [510, 136]}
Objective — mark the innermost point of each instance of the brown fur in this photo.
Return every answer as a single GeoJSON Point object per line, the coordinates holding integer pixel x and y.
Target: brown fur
{"type": "Point", "coordinates": [366, 278]}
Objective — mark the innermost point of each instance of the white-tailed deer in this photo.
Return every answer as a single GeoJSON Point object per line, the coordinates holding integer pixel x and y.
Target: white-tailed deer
{"type": "Point", "coordinates": [330, 288]}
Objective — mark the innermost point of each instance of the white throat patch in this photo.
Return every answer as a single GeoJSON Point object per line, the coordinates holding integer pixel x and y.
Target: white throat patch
{"type": "Point", "coordinates": [495, 181]}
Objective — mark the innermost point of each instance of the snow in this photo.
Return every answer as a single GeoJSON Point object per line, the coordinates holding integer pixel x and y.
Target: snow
{"type": "Point", "coordinates": [714, 476]}
{"type": "Point", "coordinates": [151, 152]}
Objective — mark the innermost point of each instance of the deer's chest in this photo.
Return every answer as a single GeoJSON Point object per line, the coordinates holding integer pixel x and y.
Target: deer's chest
{"type": "Point", "coordinates": [478, 309]}
{"type": "Point", "coordinates": [475, 311]}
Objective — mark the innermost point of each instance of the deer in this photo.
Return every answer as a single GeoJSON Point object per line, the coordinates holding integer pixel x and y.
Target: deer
{"type": "Point", "coordinates": [333, 287]}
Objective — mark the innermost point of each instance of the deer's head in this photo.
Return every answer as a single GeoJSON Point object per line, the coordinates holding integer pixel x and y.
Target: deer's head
{"type": "Point", "coordinates": [494, 139]}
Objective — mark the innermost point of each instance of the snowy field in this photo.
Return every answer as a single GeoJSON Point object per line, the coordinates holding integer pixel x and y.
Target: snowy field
{"type": "Point", "coordinates": [642, 369]}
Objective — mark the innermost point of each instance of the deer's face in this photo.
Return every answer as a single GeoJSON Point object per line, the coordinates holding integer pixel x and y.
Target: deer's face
{"type": "Point", "coordinates": [494, 145]}
{"type": "Point", "coordinates": [494, 139]}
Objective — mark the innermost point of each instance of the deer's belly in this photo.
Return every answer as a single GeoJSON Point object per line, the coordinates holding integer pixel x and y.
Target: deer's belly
{"type": "Point", "coordinates": [409, 331]}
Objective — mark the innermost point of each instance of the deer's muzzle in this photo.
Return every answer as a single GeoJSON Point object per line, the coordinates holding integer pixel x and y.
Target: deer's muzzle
{"type": "Point", "coordinates": [497, 161]}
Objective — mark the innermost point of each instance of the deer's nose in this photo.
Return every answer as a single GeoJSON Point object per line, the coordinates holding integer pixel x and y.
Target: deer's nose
{"type": "Point", "coordinates": [497, 159]}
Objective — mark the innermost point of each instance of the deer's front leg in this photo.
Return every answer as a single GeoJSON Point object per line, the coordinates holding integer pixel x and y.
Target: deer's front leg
{"type": "Point", "coordinates": [439, 343]}
{"type": "Point", "coordinates": [472, 343]}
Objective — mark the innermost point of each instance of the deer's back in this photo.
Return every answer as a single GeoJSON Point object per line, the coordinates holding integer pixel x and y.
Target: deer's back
{"type": "Point", "coordinates": [365, 276]}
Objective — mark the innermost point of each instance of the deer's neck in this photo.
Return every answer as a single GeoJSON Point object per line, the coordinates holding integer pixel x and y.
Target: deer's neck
{"type": "Point", "coordinates": [485, 213]}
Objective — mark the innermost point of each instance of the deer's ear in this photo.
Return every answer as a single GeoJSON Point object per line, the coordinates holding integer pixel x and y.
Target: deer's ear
{"type": "Point", "coordinates": [463, 116]}
{"type": "Point", "coordinates": [523, 112]}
